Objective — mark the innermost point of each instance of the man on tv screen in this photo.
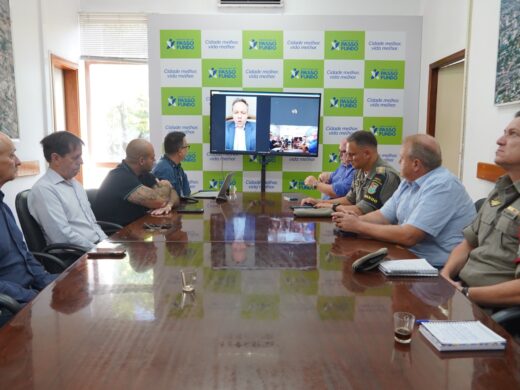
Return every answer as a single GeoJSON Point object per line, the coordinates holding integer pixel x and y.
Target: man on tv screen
{"type": "Point", "coordinates": [240, 131]}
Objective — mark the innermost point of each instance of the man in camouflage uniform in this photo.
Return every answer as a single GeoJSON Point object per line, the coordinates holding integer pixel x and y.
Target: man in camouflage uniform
{"type": "Point", "coordinates": [487, 261]}
{"type": "Point", "coordinates": [375, 179]}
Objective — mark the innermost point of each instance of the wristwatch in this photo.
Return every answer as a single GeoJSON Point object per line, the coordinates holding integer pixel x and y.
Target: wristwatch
{"type": "Point", "coordinates": [465, 291]}
{"type": "Point", "coordinates": [335, 206]}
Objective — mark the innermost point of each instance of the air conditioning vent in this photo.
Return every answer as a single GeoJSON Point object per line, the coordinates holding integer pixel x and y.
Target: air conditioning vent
{"type": "Point", "coordinates": [251, 3]}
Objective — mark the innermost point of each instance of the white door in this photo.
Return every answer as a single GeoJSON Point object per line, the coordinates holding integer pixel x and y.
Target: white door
{"type": "Point", "coordinates": [448, 120]}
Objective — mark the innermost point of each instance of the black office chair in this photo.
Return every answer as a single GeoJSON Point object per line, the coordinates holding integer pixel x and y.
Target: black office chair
{"type": "Point", "coordinates": [509, 318]}
{"type": "Point", "coordinates": [52, 264]}
{"type": "Point", "coordinates": [9, 304]}
{"type": "Point", "coordinates": [91, 195]}
{"type": "Point", "coordinates": [34, 235]}
{"type": "Point", "coordinates": [108, 227]}
{"type": "Point", "coordinates": [8, 308]}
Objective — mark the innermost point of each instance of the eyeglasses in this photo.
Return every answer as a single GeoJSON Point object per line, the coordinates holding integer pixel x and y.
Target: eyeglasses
{"type": "Point", "coordinates": [186, 146]}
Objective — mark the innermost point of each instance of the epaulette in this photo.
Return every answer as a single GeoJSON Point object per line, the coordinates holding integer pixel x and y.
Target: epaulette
{"type": "Point", "coordinates": [381, 170]}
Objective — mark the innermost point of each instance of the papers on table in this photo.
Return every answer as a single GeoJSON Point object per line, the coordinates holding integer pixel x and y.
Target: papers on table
{"type": "Point", "coordinates": [408, 267]}
{"type": "Point", "coordinates": [461, 336]}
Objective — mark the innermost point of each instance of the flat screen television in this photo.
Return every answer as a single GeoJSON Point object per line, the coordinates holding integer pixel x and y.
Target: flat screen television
{"type": "Point", "coordinates": [264, 123]}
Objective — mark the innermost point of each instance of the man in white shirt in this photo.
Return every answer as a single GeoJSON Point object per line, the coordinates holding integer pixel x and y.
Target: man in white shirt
{"type": "Point", "coordinates": [57, 201]}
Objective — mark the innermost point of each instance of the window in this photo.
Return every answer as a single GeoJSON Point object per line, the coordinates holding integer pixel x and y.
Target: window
{"type": "Point", "coordinates": [114, 48]}
{"type": "Point", "coordinates": [117, 107]}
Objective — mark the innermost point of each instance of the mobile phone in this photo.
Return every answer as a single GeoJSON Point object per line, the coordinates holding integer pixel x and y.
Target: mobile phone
{"type": "Point", "coordinates": [99, 253]}
{"type": "Point", "coordinates": [157, 226]}
{"type": "Point", "coordinates": [190, 210]}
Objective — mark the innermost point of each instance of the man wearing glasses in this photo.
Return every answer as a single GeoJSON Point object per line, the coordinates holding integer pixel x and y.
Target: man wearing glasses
{"type": "Point", "coordinates": [169, 166]}
{"type": "Point", "coordinates": [334, 184]}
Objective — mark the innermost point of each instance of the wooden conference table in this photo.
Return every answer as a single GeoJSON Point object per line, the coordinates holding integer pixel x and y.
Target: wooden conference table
{"type": "Point", "coordinates": [276, 306]}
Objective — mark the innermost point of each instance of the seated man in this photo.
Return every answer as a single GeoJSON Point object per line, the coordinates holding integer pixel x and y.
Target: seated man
{"type": "Point", "coordinates": [57, 200]}
{"type": "Point", "coordinates": [21, 275]}
{"type": "Point", "coordinates": [427, 212]}
{"type": "Point", "coordinates": [375, 180]}
{"type": "Point", "coordinates": [337, 183]}
{"type": "Point", "coordinates": [130, 190]}
{"type": "Point", "coordinates": [487, 260]}
{"type": "Point", "coordinates": [169, 166]}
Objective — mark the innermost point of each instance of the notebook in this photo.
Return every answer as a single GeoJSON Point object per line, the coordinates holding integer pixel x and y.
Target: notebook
{"type": "Point", "coordinates": [461, 336]}
{"type": "Point", "coordinates": [408, 267]}
{"type": "Point", "coordinates": [221, 194]}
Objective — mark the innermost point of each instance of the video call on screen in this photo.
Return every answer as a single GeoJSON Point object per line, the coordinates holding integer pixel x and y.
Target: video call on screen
{"type": "Point", "coordinates": [283, 123]}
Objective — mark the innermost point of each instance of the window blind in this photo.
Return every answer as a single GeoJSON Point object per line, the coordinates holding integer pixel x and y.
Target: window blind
{"type": "Point", "coordinates": [113, 36]}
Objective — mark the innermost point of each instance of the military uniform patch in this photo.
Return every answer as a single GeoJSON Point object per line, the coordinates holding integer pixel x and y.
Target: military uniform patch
{"type": "Point", "coordinates": [495, 202]}
{"type": "Point", "coordinates": [372, 188]}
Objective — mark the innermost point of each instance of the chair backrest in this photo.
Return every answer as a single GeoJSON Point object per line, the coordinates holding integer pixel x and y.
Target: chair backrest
{"type": "Point", "coordinates": [31, 230]}
{"type": "Point", "coordinates": [91, 195]}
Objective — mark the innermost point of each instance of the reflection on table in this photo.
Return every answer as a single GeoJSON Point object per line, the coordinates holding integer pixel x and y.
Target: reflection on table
{"type": "Point", "coordinates": [298, 318]}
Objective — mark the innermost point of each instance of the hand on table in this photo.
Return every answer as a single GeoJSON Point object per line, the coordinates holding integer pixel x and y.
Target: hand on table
{"type": "Point", "coordinates": [310, 201]}
{"type": "Point", "coordinates": [347, 221]}
{"type": "Point", "coordinates": [162, 210]}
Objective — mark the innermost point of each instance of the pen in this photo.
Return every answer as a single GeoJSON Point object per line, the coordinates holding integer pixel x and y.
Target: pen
{"type": "Point", "coordinates": [418, 322]}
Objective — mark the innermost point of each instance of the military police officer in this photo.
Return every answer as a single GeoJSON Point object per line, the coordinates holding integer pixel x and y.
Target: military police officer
{"type": "Point", "coordinates": [375, 179]}
{"type": "Point", "coordinates": [487, 261]}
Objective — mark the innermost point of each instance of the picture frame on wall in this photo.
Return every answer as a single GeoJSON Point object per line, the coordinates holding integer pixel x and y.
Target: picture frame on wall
{"type": "Point", "coordinates": [8, 108]}
{"type": "Point", "coordinates": [507, 85]}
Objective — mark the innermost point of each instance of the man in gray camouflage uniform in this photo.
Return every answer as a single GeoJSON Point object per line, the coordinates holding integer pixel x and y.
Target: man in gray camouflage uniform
{"type": "Point", "coordinates": [375, 179]}
{"type": "Point", "coordinates": [487, 261]}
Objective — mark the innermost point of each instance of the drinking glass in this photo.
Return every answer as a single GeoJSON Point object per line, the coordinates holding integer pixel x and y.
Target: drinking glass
{"type": "Point", "coordinates": [403, 327]}
{"type": "Point", "coordinates": [189, 280]}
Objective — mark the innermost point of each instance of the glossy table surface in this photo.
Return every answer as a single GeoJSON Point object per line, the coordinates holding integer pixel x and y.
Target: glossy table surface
{"type": "Point", "coordinates": [283, 311]}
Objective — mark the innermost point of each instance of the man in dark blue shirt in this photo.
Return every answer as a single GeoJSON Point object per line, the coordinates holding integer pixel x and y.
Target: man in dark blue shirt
{"type": "Point", "coordinates": [130, 191]}
{"type": "Point", "coordinates": [169, 166]}
{"type": "Point", "coordinates": [21, 275]}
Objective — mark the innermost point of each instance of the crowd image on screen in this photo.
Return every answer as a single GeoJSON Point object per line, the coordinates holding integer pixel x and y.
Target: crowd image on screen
{"type": "Point", "coordinates": [293, 139]}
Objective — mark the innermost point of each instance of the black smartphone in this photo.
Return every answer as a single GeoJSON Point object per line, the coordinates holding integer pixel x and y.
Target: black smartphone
{"type": "Point", "coordinates": [190, 210]}
{"type": "Point", "coordinates": [157, 226]}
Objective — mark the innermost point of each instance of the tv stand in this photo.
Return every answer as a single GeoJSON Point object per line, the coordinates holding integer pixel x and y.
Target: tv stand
{"type": "Point", "coordinates": [264, 161]}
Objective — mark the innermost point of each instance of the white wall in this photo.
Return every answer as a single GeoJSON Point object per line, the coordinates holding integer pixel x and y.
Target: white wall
{"type": "Point", "coordinates": [449, 26]}
{"type": "Point", "coordinates": [54, 28]}
{"type": "Point", "coordinates": [444, 32]}
{"type": "Point", "coordinates": [484, 121]}
{"type": "Point", "coordinates": [38, 28]}
{"type": "Point", "coordinates": [25, 22]}
{"type": "Point", "coordinates": [292, 7]}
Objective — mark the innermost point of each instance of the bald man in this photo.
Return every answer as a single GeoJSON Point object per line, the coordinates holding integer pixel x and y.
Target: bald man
{"type": "Point", "coordinates": [130, 190]}
{"type": "Point", "coordinates": [334, 184]}
{"type": "Point", "coordinates": [21, 275]}
{"type": "Point", "coordinates": [426, 213]}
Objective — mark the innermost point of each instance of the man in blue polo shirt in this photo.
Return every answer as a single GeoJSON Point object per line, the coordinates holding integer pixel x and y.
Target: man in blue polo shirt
{"type": "Point", "coordinates": [338, 183]}
{"type": "Point", "coordinates": [428, 211]}
{"type": "Point", "coordinates": [21, 275]}
{"type": "Point", "coordinates": [169, 166]}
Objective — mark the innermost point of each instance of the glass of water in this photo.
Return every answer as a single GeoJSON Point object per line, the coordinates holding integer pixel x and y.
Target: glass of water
{"type": "Point", "coordinates": [189, 280]}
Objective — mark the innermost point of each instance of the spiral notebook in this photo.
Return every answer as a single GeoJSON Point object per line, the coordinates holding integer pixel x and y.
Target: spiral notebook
{"type": "Point", "coordinates": [408, 267]}
{"type": "Point", "coordinates": [461, 336]}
